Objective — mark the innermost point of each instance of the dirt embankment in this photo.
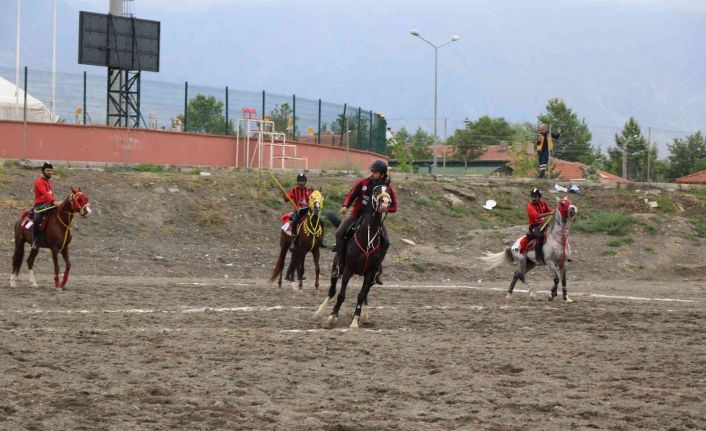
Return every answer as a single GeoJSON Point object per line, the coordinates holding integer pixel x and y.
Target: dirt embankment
{"type": "Point", "coordinates": [227, 225]}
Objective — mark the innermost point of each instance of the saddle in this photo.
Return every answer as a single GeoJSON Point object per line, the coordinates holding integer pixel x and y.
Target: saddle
{"type": "Point", "coordinates": [28, 216]}
{"type": "Point", "coordinates": [524, 244]}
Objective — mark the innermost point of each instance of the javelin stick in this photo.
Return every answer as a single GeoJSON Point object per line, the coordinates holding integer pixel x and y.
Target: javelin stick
{"type": "Point", "coordinates": [281, 188]}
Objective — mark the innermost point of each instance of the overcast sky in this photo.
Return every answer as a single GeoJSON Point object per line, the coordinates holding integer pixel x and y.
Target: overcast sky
{"type": "Point", "coordinates": [609, 59]}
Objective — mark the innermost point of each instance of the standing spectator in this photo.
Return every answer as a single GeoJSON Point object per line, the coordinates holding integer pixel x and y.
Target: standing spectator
{"type": "Point", "coordinates": [545, 144]}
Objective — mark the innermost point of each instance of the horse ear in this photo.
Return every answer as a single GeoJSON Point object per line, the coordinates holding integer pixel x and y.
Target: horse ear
{"type": "Point", "coordinates": [321, 189]}
{"type": "Point", "coordinates": [73, 190]}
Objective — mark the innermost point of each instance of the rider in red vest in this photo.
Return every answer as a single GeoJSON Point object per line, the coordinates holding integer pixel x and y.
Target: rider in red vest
{"type": "Point", "coordinates": [359, 197]}
{"type": "Point", "coordinates": [43, 198]}
{"type": "Point", "coordinates": [537, 212]}
{"type": "Point", "coordinates": [300, 196]}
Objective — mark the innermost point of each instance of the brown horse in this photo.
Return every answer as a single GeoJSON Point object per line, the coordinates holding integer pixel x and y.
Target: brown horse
{"type": "Point", "coordinates": [309, 238]}
{"type": "Point", "coordinates": [56, 237]}
{"type": "Point", "coordinates": [363, 257]}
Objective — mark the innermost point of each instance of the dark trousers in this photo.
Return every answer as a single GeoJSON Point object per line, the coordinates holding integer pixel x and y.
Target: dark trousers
{"type": "Point", "coordinates": [296, 217]}
{"type": "Point", "coordinates": [536, 233]}
{"type": "Point", "coordinates": [543, 161]}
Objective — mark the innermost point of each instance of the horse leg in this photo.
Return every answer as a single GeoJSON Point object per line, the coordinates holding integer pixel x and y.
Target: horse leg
{"type": "Point", "coordinates": [67, 264]}
{"type": "Point", "coordinates": [316, 253]}
{"type": "Point", "coordinates": [362, 297]}
{"type": "Point", "coordinates": [30, 264]}
{"type": "Point", "coordinates": [333, 318]}
{"type": "Point", "coordinates": [553, 273]}
{"type": "Point", "coordinates": [17, 259]}
{"type": "Point", "coordinates": [523, 278]}
{"type": "Point", "coordinates": [564, 290]}
{"type": "Point", "coordinates": [55, 259]}
{"type": "Point", "coordinates": [517, 276]}
{"type": "Point", "coordinates": [300, 270]}
{"type": "Point", "coordinates": [331, 292]}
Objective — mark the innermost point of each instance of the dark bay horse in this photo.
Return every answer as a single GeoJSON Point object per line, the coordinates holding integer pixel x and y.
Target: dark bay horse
{"type": "Point", "coordinates": [363, 257]}
{"type": "Point", "coordinates": [557, 252]}
{"type": "Point", "coordinates": [309, 237]}
{"type": "Point", "coordinates": [56, 237]}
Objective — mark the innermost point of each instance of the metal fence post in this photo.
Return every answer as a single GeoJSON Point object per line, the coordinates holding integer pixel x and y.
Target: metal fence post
{"type": "Point", "coordinates": [318, 141]}
{"type": "Point", "coordinates": [84, 97]}
{"type": "Point", "coordinates": [225, 132]}
{"type": "Point", "coordinates": [294, 117]}
{"type": "Point", "coordinates": [186, 104]}
{"type": "Point", "coordinates": [263, 104]}
{"type": "Point", "coordinates": [370, 134]}
{"type": "Point", "coordinates": [24, 134]}
{"type": "Point", "coordinates": [358, 145]}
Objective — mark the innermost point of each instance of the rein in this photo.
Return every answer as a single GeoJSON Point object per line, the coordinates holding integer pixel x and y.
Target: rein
{"type": "Point", "coordinates": [370, 248]}
{"type": "Point", "coordinates": [67, 226]}
{"type": "Point", "coordinates": [312, 230]}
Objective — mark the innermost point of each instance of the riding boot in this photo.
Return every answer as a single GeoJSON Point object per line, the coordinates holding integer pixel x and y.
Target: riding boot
{"type": "Point", "coordinates": [36, 236]}
{"type": "Point", "coordinates": [539, 253]}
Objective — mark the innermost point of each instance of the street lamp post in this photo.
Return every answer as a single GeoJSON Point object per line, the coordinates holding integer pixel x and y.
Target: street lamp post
{"type": "Point", "coordinates": [454, 38]}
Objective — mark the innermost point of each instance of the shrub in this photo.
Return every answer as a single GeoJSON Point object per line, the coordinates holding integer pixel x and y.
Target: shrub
{"type": "Point", "coordinates": [616, 223]}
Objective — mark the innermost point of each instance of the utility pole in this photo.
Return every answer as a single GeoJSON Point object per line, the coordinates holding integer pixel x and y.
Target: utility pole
{"type": "Point", "coordinates": [649, 152]}
{"type": "Point", "coordinates": [445, 147]}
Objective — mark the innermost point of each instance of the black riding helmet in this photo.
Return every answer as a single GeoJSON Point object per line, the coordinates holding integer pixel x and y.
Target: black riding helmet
{"type": "Point", "coordinates": [536, 192]}
{"type": "Point", "coordinates": [47, 165]}
{"type": "Point", "coordinates": [380, 166]}
{"type": "Point", "coordinates": [301, 177]}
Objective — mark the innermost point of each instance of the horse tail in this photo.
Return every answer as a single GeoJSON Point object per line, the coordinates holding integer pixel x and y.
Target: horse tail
{"type": "Point", "coordinates": [333, 219]}
{"type": "Point", "coordinates": [279, 266]}
{"type": "Point", "coordinates": [19, 253]}
{"type": "Point", "coordinates": [494, 260]}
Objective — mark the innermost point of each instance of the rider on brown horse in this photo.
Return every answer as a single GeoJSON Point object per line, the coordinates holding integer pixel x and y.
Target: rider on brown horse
{"type": "Point", "coordinates": [537, 211]}
{"type": "Point", "coordinates": [43, 200]}
{"type": "Point", "coordinates": [360, 196]}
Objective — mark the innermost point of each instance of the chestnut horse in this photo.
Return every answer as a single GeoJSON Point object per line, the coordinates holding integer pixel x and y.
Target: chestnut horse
{"type": "Point", "coordinates": [309, 237]}
{"type": "Point", "coordinates": [363, 257]}
{"type": "Point", "coordinates": [56, 237]}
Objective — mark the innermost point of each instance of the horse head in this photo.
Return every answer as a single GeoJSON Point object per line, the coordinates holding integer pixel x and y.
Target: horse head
{"type": "Point", "coordinates": [381, 199]}
{"type": "Point", "coordinates": [79, 202]}
{"type": "Point", "coordinates": [316, 201]}
{"type": "Point", "coordinates": [566, 208]}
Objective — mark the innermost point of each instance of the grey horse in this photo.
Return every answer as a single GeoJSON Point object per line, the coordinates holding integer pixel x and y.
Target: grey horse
{"type": "Point", "coordinates": [557, 252]}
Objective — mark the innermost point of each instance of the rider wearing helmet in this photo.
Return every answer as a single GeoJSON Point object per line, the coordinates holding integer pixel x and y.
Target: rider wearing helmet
{"type": "Point", "coordinates": [537, 212]}
{"type": "Point", "coordinates": [360, 196]}
{"type": "Point", "coordinates": [43, 199]}
{"type": "Point", "coordinates": [300, 196]}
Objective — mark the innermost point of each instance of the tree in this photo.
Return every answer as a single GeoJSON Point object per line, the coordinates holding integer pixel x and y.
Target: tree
{"type": "Point", "coordinates": [284, 120]}
{"type": "Point", "coordinates": [686, 155]}
{"type": "Point", "coordinates": [205, 115]}
{"type": "Point", "coordinates": [469, 142]}
{"type": "Point", "coordinates": [638, 153]}
{"type": "Point", "coordinates": [574, 142]}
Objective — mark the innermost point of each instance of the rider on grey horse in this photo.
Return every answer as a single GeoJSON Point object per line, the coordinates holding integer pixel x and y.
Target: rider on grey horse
{"type": "Point", "coordinates": [537, 211]}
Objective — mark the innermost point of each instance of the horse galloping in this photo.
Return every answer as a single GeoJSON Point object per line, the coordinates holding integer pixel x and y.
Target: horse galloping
{"type": "Point", "coordinates": [363, 257]}
{"type": "Point", "coordinates": [308, 239]}
{"type": "Point", "coordinates": [57, 237]}
{"type": "Point", "coordinates": [557, 252]}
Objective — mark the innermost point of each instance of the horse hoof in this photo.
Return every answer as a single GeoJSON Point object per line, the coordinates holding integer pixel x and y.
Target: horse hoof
{"type": "Point", "coordinates": [35, 285]}
{"type": "Point", "coordinates": [354, 323]}
{"type": "Point", "coordinates": [531, 293]}
{"type": "Point", "coordinates": [508, 296]}
{"type": "Point", "coordinates": [293, 285]}
{"type": "Point", "coordinates": [332, 321]}
{"type": "Point", "coordinates": [568, 300]}
{"type": "Point", "coordinates": [551, 298]}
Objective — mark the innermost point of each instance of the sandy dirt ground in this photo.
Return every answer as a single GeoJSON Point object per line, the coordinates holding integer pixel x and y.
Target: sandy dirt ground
{"type": "Point", "coordinates": [162, 353]}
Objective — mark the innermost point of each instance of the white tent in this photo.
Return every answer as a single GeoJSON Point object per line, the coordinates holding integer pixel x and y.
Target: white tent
{"type": "Point", "coordinates": [12, 105]}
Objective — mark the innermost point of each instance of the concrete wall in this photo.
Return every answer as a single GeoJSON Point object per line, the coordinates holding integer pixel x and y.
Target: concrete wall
{"type": "Point", "coordinates": [78, 143]}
